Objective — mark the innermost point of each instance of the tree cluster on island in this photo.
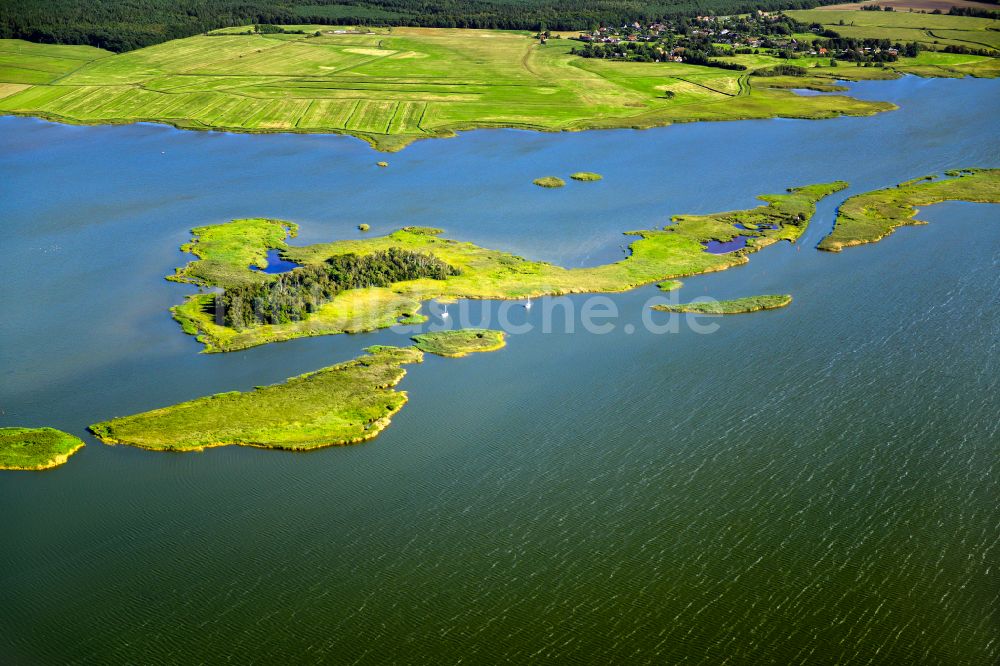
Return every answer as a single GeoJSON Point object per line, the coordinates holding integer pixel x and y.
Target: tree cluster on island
{"type": "Point", "coordinates": [292, 296]}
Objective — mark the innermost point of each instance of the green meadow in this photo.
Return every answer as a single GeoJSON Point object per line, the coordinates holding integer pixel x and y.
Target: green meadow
{"type": "Point", "coordinates": [36, 448]}
{"type": "Point", "coordinates": [656, 255]}
{"type": "Point", "coordinates": [402, 84]}
{"type": "Point", "coordinates": [934, 31]}
{"type": "Point", "coordinates": [870, 217]}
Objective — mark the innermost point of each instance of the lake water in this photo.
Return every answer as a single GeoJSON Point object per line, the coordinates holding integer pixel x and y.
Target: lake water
{"type": "Point", "coordinates": [816, 484]}
{"type": "Point", "coordinates": [275, 264]}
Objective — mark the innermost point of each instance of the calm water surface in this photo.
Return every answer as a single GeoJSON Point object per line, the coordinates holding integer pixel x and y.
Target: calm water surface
{"type": "Point", "coordinates": [812, 485]}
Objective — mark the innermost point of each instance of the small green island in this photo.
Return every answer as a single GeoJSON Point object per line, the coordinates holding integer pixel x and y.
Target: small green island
{"type": "Point", "coordinates": [586, 176]}
{"type": "Point", "coordinates": [870, 217]}
{"type": "Point", "coordinates": [36, 448]}
{"type": "Point", "coordinates": [549, 181]}
{"type": "Point", "coordinates": [347, 403]}
{"type": "Point", "coordinates": [734, 306]}
{"type": "Point", "coordinates": [351, 286]}
{"type": "Point", "coordinates": [462, 342]}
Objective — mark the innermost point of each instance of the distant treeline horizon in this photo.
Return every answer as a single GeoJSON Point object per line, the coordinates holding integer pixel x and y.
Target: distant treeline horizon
{"type": "Point", "coordinates": [125, 25]}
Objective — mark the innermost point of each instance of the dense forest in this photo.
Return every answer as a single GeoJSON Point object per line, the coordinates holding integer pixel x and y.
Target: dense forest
{"type": "Point", "coordinates": [123, 25]}
{"type": "Point", "coordinates": [293, 295]}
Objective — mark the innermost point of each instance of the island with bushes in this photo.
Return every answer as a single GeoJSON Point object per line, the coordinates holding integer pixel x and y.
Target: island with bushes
{"type": "Point", "coordinates": [549, 181]}
{"type": "Point", "coordinates": [870, 217]}
{"type": "Point", "coordinates": [375, 282]}
{"type": "Point", "coordinates": [347, 403]}
{"type": "Point", "coordinates": [36, 448]}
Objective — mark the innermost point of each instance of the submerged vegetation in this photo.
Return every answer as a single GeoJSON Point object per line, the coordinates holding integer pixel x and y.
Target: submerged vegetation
{"type": "Point", "coordinates": [36, 448]}
{"type": "Point", "coordinates": [549, 181]}
{"type": "Point", "coordinates": [346, 403]}
{"type": "Point", "coordinates": [734, 306]}
{"type": "Point", "coordinates": [460, 342]}
{"type": "Point", "coordinates": [586, 176]}
{"type": "Point", "coordinates": [656, 255]}
{"type": "Point", "coordinates": [869, 217]}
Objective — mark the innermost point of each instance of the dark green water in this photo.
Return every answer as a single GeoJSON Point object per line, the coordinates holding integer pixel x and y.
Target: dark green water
{"type": "Point", "coordinates": [811, 485]}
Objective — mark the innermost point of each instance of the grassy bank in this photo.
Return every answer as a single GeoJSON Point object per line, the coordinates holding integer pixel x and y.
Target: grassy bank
{"type": "Point", "coordinates": [734, 306]}
{"type": "Point", "coordinates": [391, 88]}
{"type": "Point", "coordinates": [343, 404]}
{"type": "Point", "coordinates": [869, 217]}
{"type": "Point", "coordinates": [655, 255]}
{"type": "Point", "coordinates": [35, 448]}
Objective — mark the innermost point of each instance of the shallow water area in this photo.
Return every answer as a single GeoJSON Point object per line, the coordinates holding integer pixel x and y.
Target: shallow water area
{"type": "Point", "coordinates": [724, 247]}
{"type": "Point", "coordinates": [275, 264]}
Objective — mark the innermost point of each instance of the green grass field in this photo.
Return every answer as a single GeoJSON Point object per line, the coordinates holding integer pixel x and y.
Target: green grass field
{"type": "Point", "coordinates": [35, 448]}
{"type": "Point", "coordinates": [397, 86]}
{"type": "Point", "coordinates": [734, 306]}
{"type": "Point", "coordinates": [870, 217]}
{"type": "Point", "coordinates": [934, 31]}
{"type": "Point", "coordinates": [656, 255]}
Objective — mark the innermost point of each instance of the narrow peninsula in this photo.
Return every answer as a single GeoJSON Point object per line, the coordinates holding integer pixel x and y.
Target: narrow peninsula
{"type": "Point", "coordinates": [36, 448]}
{"type": "Point", "coordinates": [347, 403]}
{"type": "Point", "coordinates": [870, 217]}
{"type": "Point", "coordinates": [368, 283]}
{"type": "Point", "coordinates": [734, 306]}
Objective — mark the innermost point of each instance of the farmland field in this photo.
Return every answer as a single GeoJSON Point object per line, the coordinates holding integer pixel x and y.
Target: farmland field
{"type": "Point", "coordinates": [934, 31]}
{"type": "Point", "coordinates": [397, 85]}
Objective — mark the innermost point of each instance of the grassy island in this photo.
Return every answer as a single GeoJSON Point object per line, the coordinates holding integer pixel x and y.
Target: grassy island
{"type": "Point", "coordinates": [464, 270]}
{"type": "Point", "coordinates": [734, 306]}
{"type": "Point", "coordinates": [586, 176]}
{"type": "Point", "coordinates": [391, 88]}
{"type": "Point", "coordinates": [455, 344]}
{"type": "Point", "coordinates": [870, 217]}
{"type": "Point", "coordinates": [549, 181]}
{"type": "Point", "coordinates": [343, 404]}
{"type": "Point", "coordinates": [36, 448]}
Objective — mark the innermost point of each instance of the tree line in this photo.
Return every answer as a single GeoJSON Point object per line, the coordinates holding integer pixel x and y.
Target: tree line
{"type": "Point", "coordinates": [294, 295]}
{"type": "Point", "coordinates": [124, 25]}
